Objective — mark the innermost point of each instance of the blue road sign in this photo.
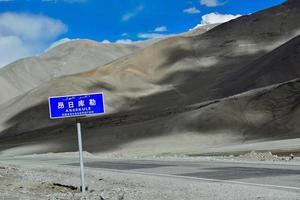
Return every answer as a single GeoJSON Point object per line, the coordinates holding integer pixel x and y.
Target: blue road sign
{"type": "Point", "coordinates": [76, 105]}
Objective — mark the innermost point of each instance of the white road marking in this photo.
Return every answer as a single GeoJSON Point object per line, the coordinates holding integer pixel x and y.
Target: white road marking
{"type": "Point", "coordinates": [203, 179]}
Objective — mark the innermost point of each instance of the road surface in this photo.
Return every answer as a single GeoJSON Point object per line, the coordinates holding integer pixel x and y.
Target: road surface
{"type": "Point", "coordinates": [279, 175]}
{"type": "Point", "coordinates": [285, 177]}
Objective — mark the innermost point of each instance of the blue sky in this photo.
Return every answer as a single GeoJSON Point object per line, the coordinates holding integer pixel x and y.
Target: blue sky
{"type": "Point", "coordinates": [113, 20]}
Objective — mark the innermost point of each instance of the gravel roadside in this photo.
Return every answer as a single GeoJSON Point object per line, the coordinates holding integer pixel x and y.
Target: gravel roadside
{"type": "Point", "coordinates": [50, 182]}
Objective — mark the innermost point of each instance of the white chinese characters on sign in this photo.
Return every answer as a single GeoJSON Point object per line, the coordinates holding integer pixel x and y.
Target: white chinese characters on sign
{"type": "Point", "coordinates": [71, 104]}
{"type": "Point", "coordinates": [60, 105]}
{"type": "Point", "coordinates": [81, 103]}
{"type": "Point", "coordinates": [92, 102]}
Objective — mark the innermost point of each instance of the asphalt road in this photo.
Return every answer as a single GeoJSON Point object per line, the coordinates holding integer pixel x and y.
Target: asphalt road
{"type": "Point", "coordinates": [280, 176]}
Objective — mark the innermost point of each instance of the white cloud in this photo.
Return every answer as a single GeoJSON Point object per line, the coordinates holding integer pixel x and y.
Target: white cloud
{"type": "Point", "coordinates": [11, 48]}
{"type": "Point", "coordinates": [212, 3]}
{"type": "Point", "coordinates": [25, 34]}
{"type": "Point", "coordinates": [192, 10]}
{"type": "Point", "coordinates": [161, 29]}
{"type": "Point", "coordinates": [150, 35]}
{"type": "Point", "coordinates": [124, 41]}
{"type": "Point", "coordinates": [59, 42]}
{"type": "Point", "coordinates": [119, 41]}
{"type": "Point", "coordinates": [106, 42]}
{"type": "Point", "coordinates": [132, 14]}
{"type": "Point", "coordinates": [215, 18]}
{"type": "Point", "coordinates": [30, 27]}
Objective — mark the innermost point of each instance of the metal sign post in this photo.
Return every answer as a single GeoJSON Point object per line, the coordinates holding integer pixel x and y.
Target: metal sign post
{"type": "Point", "coordinates": [76, 106]}
{"type": "Point", "coordinates": [80, 155]}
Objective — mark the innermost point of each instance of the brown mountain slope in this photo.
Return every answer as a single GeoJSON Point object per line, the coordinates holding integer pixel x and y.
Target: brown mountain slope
{"type": "Point", "coordinates": [65, 59]}
{"type": "Point", "coordinates": [265, 114]}
{"type": "Point", "coordinates": [279, 65]}
{"type": "Point", "coordinates": [71, 57]}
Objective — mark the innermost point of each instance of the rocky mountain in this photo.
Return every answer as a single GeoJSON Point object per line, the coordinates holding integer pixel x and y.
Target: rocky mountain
{"type": "Point", "coordinates": [265, 114]}
{"type": "Point", "coordinates": [70, 58]}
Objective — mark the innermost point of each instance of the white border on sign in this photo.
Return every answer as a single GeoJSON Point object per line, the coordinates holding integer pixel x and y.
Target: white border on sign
{"type": "Point", "coordinates": [72, 95]}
